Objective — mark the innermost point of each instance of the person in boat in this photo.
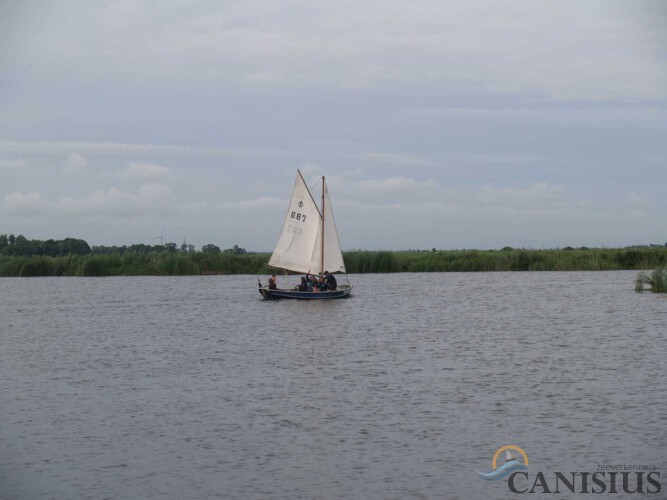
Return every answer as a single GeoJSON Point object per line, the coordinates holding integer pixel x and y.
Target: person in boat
{"type": "Point", "coordinates": [311, 281]}
{"type": "Point", "coordinates": [275, 280]}
{"type": "Point", "coordinates": [303, 286]}
{"type": "Point", "coordinates": [330, 280]}
{"type": "Point", "coordinates": [272, 283]}
{"type": "Point", "coordinates": [322, 284]}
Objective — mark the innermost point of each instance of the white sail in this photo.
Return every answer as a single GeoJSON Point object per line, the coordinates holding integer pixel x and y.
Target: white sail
{"type": "Point", "coordinates": [333, 257]}
{"type": "Point", "coordinates": [299, 248]}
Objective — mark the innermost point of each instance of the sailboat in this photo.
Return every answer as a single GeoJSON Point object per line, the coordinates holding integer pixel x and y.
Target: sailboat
{"type": "Point", "coordinates": [308, 244]}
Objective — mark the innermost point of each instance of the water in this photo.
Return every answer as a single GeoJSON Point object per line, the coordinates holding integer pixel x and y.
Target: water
{"type": "Point", "coordinates": [193, 387]}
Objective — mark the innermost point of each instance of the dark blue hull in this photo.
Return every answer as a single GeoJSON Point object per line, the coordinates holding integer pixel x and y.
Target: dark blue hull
{"type": "Point", "coordinates": [342, 292]}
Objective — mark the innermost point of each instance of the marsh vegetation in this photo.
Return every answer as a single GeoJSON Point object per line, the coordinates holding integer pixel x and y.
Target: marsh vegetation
{"type": "Point", "coordinates": [124, 261]}
{"type": "Point", "coordinates": [656, 281]}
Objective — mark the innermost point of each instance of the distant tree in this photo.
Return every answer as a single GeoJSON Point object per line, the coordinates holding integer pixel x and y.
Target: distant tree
{"type": "Point", "coordinates": [74, 246]}
{"type": "Point", "coordinates": [20, 245]}
{"type": "Point", "coordinates": [113, 250]}
{"type": "Point", "coordinates": [4, 242]}
{"type": "Point", "coordinates": [236, 250]}
{"type": "Point", "coordinates": [170, 247]}
{"type": "Point", "coordinates": [210, 248]}
{"type": "Point", "coordinates": [185, 248]}
{"type": "Point", "coordinates": [140, 248]}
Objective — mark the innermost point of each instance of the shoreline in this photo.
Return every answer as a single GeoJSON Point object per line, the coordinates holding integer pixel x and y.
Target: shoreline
{"type": "Point", "coordinates": [356, 261]}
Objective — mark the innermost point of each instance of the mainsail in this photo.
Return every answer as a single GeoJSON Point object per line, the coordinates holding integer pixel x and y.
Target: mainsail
{"type": "Point", "coordinates": [300, 246]}
{"type": "Point", "coordinates": [333, 257]}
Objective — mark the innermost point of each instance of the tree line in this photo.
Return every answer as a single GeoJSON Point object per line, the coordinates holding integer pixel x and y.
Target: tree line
{"type": "Point", "coordinates": [21, 246]}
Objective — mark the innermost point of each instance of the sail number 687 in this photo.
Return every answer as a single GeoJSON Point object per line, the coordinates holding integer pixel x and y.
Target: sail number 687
{"type": "Point", "coordinates": [298, 216]}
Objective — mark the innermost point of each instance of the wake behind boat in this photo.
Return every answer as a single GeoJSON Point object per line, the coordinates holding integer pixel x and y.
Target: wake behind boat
{"type": "Point", "coordinates": [308, 241]}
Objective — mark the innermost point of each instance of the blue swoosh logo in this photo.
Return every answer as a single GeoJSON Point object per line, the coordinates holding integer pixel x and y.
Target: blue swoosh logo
{"type": "Point", "coordinates": [502, 471]}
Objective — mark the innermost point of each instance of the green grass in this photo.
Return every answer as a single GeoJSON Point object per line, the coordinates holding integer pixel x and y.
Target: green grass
{"type": "Point", "coordinates": [656, 281]}
{"type": "Point", "coordinates": [356, 261]}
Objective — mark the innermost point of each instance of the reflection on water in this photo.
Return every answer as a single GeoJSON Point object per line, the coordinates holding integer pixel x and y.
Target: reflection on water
{"type": "Point", "coordinates": [196, 388]}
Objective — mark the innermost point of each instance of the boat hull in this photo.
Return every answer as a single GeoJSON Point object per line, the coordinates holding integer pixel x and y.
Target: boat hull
{"type": "Point", "coordinates": [340, 293]}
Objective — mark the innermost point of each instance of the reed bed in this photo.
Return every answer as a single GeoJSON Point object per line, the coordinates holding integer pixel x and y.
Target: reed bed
{"type": "Point", "coordinates": [656, 281]}
{"type": "Point", "coordinates": [505, 260]}
{"type": "Point", "coordinates": [134, 264]}
{"type": "Point", "coordinates": [356, 261]}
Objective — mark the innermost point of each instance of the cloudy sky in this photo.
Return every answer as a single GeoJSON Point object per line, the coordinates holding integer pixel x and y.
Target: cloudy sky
{"type": "Point", "coordinates": [468, 124]}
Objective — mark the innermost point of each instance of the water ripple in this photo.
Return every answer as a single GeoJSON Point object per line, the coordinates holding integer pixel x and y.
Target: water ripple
{"type": "Point", "coordinates": [193, 387]}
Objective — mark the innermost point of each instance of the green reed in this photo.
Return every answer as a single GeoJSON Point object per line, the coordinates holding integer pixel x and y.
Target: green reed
{"type": "Point", "coordinates": [356, 261]}
{"type": "Point", "coordinates": [656, 281]}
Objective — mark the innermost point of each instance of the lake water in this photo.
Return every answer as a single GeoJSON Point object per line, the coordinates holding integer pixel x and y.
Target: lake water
{"type": "Point", "coordinates": [195, 388]}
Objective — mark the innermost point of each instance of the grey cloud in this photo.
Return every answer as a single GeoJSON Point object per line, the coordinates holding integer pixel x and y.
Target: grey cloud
{"type": "Point", "coordinates": [437, 123]}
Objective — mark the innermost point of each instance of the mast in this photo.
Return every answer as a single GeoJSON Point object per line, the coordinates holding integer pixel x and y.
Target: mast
{"type": "Point", "coordinates": [322, 242]}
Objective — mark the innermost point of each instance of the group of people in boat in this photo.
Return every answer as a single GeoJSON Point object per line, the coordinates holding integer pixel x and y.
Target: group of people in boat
{"type": "Point", "coordinates": [311, 283]}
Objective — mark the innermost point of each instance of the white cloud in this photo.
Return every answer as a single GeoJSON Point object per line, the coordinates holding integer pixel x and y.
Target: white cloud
{"type": "Point", "coordinates": [122, 13]}
{"type": "Point", "coordinates": [11, 165]}
{"type": "Point", "coordinates": [108, 147]}
{"type": "Point", "coordinates": [539, 214]}
{"type": "Point", "coordinates": [517, 160]}
{"type": "Point", "coordinates": [123, 149]}
{"type": "Point", "coordinates": [351, 185]}
{"type": "Point", "coordinates": [308, 169]}
{"type": "Point", "coordinates": [537, 197]}
{"type": "Point", "coordinates": [30, 203]}
{"type": "Point", "coordinates": [429, 197]}
{"type": "Point", "coordinates": [394, 185]}
{"type": "Point", "coordinates": [260, 205]}
{"type": "Point", "coordinates": [643, 117]}
{"type": "Point", "coordinates": [154, 192]}
{"type": "Point", "coordinates": [491, 92]}
{"type": "Point", "coordinates": [139, 170]}
{"type": "Point", "coordinates": [76, 163]}
{"type": "Point", "coordinates": [393, 159]}
{"type": "Point", "coordinates": [479, 45]}
{"type": "Point", "coordinates": [148, 198]}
